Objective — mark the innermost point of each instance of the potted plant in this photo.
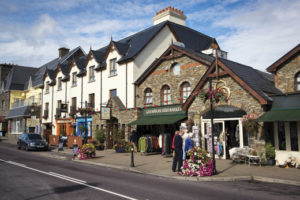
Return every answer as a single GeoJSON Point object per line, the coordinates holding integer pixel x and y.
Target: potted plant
{"type": "Point", "coordinates": [100, 138]}
{"type": "Point", "coordinates": [270, 153]}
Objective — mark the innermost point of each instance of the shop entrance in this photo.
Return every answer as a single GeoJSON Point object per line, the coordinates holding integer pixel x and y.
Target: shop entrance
{"type": "Point", "coordinates": [112, 126]}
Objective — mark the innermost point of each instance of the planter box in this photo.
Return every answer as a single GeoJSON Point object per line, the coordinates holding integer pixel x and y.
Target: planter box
{"type": "Point", "coordinates": [74, 140]}
{"type": "Point", "coordinates": [53, 140]}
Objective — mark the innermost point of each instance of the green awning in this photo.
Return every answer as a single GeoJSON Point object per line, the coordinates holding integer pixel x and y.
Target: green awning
{"type": "Point", "coordinates": [288, 114]}
{"type": "Point", "coordinates": [156, 120]}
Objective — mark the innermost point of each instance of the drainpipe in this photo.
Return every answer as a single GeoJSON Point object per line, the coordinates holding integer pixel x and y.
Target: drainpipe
{"type": "Point", "coordinates": [66, 97]}
{"type": "Point", "coordinates": [52, 107]}
{"type": "Point", "coordinates": [126, 86]}
{"type": "Point", "coordinates": [81, 91]}
{"type": "Point", "coordinates": [100, 92]}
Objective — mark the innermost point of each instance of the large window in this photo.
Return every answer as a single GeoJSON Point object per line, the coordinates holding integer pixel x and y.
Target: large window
{"type": "Point", "coordinates": [297, 82]}
{"type": "Point", "coordinates": [113, 67]}
{"type": "Point", "coordinates": [92, 100]}
{"type": "Point", "coordinates": [91, 73]}
{"type": "Point", "coordinates": [74, 79]}
{"type": "Point", "coordinates": [59, 85]}
{"type": "Point", "coordinates": [185, 91]}
{"type": "Point", "coordinates": [294, 136]}
{"type": "Point", "coordinates": [166, 95]}
{"type": "Point", "coordinates": [47, 87]}
{"type": "Point", "coordinates": [148, 96]}
{"type": "Point", "coordinates": [281, 136]}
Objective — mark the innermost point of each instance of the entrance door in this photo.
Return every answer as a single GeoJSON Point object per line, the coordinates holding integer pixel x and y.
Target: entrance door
{"type": "Point", "coordinates": [112, 126]}
{"type": "Point", "coordinates": [62, 129]}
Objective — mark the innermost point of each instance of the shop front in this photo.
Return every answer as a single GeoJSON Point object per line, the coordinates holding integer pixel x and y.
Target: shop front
{"type": "Point", "coordinates": [158, 125]}
{"type": "Point", "coordinates": [84, 124]}
{"type": "Point", "coordinates": [228, 129]}
{"type": "Point", "coordinates": [64, 127]}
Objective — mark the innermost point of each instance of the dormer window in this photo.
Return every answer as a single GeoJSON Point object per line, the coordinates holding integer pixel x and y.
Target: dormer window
{"type": "Point", "coordinates": [297, 82]}
{"type": "Point", "coordinates": [59, 85]}
{"type": "Point", "coordinates": [74, 79]}
{"type": "Point", "coordinates": [47, 87]}
{"type": "Point", "coordinates": [113, 67]}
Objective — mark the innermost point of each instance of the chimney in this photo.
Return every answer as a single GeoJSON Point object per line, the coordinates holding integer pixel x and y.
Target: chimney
{"type": "Point", "coordinates": [62, 52]}
{"type": "Point", "coordinates": [170, 14]}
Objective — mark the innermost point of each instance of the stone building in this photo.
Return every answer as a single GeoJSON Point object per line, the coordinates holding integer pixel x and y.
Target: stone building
{"type": "Point", "coordinates": [283, 118]}
{"type": "Point", "coordinates": [168, 92]}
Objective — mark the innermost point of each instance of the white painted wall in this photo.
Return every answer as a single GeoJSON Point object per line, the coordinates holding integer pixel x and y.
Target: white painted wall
{"type": "Point", "coordinates": [47, 98]}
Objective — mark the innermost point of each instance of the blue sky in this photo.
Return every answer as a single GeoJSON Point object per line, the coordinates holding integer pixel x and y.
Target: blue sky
{"type": "Point", "coordinates": [253, 32]}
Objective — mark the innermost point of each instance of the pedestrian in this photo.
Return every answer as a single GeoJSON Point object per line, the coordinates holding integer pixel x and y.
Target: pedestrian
{"type": "Point", "coordinates": [173, 147]}
{"type": "Point", "coordinates": [133, 140]}
{"type": "Point", "coordinates": [177, 160]}
{"type": "Point", "coordinates": [188, 144]}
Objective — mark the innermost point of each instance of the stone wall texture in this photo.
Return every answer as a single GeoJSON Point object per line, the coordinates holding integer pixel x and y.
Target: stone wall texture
{"type": "Point", "coordinates": [285, 76]}
{"type": "Point", "coordinates": [191, 71]}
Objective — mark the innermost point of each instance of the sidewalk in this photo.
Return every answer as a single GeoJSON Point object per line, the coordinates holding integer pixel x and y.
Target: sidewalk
{"type": "Point", "coordinates": [161, 166]}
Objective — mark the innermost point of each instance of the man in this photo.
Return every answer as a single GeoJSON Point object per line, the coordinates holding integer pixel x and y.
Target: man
{"type": "Point", "coordinates": [178, 152]}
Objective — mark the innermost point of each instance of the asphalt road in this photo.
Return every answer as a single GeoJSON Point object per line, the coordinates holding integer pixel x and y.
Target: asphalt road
{"type": "Point", "coordinates": [28, 176]}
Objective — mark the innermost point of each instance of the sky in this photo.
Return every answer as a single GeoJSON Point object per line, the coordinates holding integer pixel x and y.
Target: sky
{"type": "Point", "coordinates": [253, 32]}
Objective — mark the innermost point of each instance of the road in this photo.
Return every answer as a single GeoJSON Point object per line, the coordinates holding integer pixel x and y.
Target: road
{"type": "Point", "coordinates": [28, 176]}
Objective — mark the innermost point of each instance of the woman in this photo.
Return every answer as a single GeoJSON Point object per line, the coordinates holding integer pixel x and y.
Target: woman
{"type": "Point", "coordinates": [188, 143]}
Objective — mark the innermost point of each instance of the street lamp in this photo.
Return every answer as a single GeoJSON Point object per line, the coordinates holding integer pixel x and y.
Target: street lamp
{"type": "Point", "coordinates": [212, 129]}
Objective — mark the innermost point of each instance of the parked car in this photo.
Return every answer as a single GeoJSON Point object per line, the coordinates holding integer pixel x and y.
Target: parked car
{"type": "Point", "coordinates": [32, 141]}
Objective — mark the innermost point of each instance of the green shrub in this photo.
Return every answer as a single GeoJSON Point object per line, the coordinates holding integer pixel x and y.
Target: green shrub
{"type": "Point", "coordinates": [100, 136]}
{"type": "Point", "coordinates": [270, 151]}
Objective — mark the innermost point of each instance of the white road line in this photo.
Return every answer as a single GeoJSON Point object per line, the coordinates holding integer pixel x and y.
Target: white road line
{"type": "Point", "coordinates": [80, 182]}
{"type": "Point", "coordinates": [67, 177]}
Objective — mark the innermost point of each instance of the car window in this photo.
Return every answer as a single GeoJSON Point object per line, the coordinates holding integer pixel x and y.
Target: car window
{"type": "Point", "coordinates": [34, 137]}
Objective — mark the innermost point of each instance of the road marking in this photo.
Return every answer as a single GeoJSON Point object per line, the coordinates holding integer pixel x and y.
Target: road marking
{"type": "Point", "coordinates": [80, 182]}
{"type": "Point", "coordinates": [66, 177]}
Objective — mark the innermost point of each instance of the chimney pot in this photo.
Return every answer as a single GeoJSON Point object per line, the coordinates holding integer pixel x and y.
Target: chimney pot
{"type": "Point", "coordinates": [182, 12]}
{"type": "Point", "coordinates": [62, 52]}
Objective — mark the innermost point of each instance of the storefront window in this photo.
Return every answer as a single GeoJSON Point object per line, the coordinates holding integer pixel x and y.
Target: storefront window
{"type": "Point", "coordinates": [148, 96]}
{"type": "Point", "coordinates": [185, 91]}
{"type": "Point", "coordinates": [294, 136]}
{"type": "Point", "coordinates": [281, 136]}
{"type": "Point", "coordinates": [166, 95]}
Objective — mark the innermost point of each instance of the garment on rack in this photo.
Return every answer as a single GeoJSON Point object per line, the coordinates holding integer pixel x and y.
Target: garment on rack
{"type": "Point", "coordinates": [155, 143]}
{"type": "Point", "coordinates": [143, 144]}
{"type": "Point", "coordinates": [160, 141]}
{"type": "Point", "coordinates": [237, 133]}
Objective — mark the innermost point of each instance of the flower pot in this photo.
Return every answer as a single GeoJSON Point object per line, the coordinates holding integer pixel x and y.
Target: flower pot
{"type": "Point", "coordinates": [271, 161]}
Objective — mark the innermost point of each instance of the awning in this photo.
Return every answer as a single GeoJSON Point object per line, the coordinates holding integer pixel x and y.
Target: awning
{"type": "Point", "coordinates": [18, 112]}
{"type": "Point", "coordinates": [288, 114]}
{"type": "Point", "coordinates": [156, 120]}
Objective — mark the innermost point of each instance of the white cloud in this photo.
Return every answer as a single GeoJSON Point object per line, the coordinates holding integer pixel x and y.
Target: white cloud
{"type": "Point", "coordinates": [262, 33]}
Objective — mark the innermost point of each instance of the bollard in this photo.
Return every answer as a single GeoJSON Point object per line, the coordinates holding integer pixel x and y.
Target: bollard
{"type": "Point", "coordinates": [132, 159]}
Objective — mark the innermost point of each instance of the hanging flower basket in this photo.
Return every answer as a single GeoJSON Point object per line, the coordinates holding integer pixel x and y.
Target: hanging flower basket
{"type": "Point", "coordinates": [216, 95]}
{"type": "Point", "coordinates": [250, 124]}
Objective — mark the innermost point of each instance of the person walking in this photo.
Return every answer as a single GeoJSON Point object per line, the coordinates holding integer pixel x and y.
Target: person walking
{"type": "Point", "coordinates": [177, 160]}
{"type": "Point", "coordinates": [173, 147]}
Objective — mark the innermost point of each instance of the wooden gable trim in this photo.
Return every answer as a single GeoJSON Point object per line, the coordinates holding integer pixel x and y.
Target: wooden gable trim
{"type": "Point", "coordinates": [58, 69]}
{"type": "Point", "coordinates": [165, 57]}
{"type": "Point", "coordinates": [45, 75]}
{"type": "Point", "coordinates": [89, 57]}
{"type": "Point", "coordinates": [208, 74]}
{"type": "Point", "coordinates": [283, 59]}
{"type": "Point", "coordinates": [73, 64]}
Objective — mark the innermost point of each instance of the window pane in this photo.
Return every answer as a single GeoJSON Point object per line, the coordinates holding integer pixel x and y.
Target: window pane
{"type": "Point", "coordinates": [281, 136]}
{"type": "Point", "coordinates": [294, 136]}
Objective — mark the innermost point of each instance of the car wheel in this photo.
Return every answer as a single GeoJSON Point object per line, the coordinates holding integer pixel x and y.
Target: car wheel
{"type": "Point", "coordinates": [18, 147]}
{"type": "Point", "coordinates": [26, 148]}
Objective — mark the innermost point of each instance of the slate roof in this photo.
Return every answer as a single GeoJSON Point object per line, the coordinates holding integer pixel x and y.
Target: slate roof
{"type": "Point", "coordinates": [18, 112]}
{"type": "Point", "coordinates": [132, 45]}
{"type": "Point", "coordinates": [18, 77]}
{"type": "Point", "coordinates": [254, 78]}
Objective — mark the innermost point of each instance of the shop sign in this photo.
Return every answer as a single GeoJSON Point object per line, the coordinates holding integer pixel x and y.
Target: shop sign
{"type": "Point", "coordinates": [105, 113]}
{"type": "Point", "coordinates": [64, 108]}
{"type": "Point", "coordinates": [163, 110]}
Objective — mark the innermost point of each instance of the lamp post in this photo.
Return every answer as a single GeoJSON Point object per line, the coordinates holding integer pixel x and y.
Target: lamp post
{"type": "Point", "coordinates": [212, 129]}
{"type": "Point", "coordinates": [132, 158]}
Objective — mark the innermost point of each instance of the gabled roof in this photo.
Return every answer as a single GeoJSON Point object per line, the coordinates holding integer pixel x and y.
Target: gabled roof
{"type": "Point", "coordinates": [132, 45]}
{"type": "Point", "coordinates": [281, 61]}
{"type": "Point", "coordinates": [18, 77]}
{"type": "Point", "coordinates": [252, 80]}
{"type": "Point", "coordinates": [202, 58]}
{"type": "Point", "coordinates": [53, 64]}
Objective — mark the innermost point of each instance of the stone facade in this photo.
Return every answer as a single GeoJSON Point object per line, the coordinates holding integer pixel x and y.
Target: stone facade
{"type": "Point", "coordinates": [285, 75]}
{"type": "Point", "coordinates": [5, 96]}
{"type": "Point", "coordinates": [191, 71]}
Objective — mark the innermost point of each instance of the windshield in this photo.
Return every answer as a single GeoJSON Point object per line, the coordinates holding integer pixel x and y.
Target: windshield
{"type": "Point", "coordinates": [34, 137]}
